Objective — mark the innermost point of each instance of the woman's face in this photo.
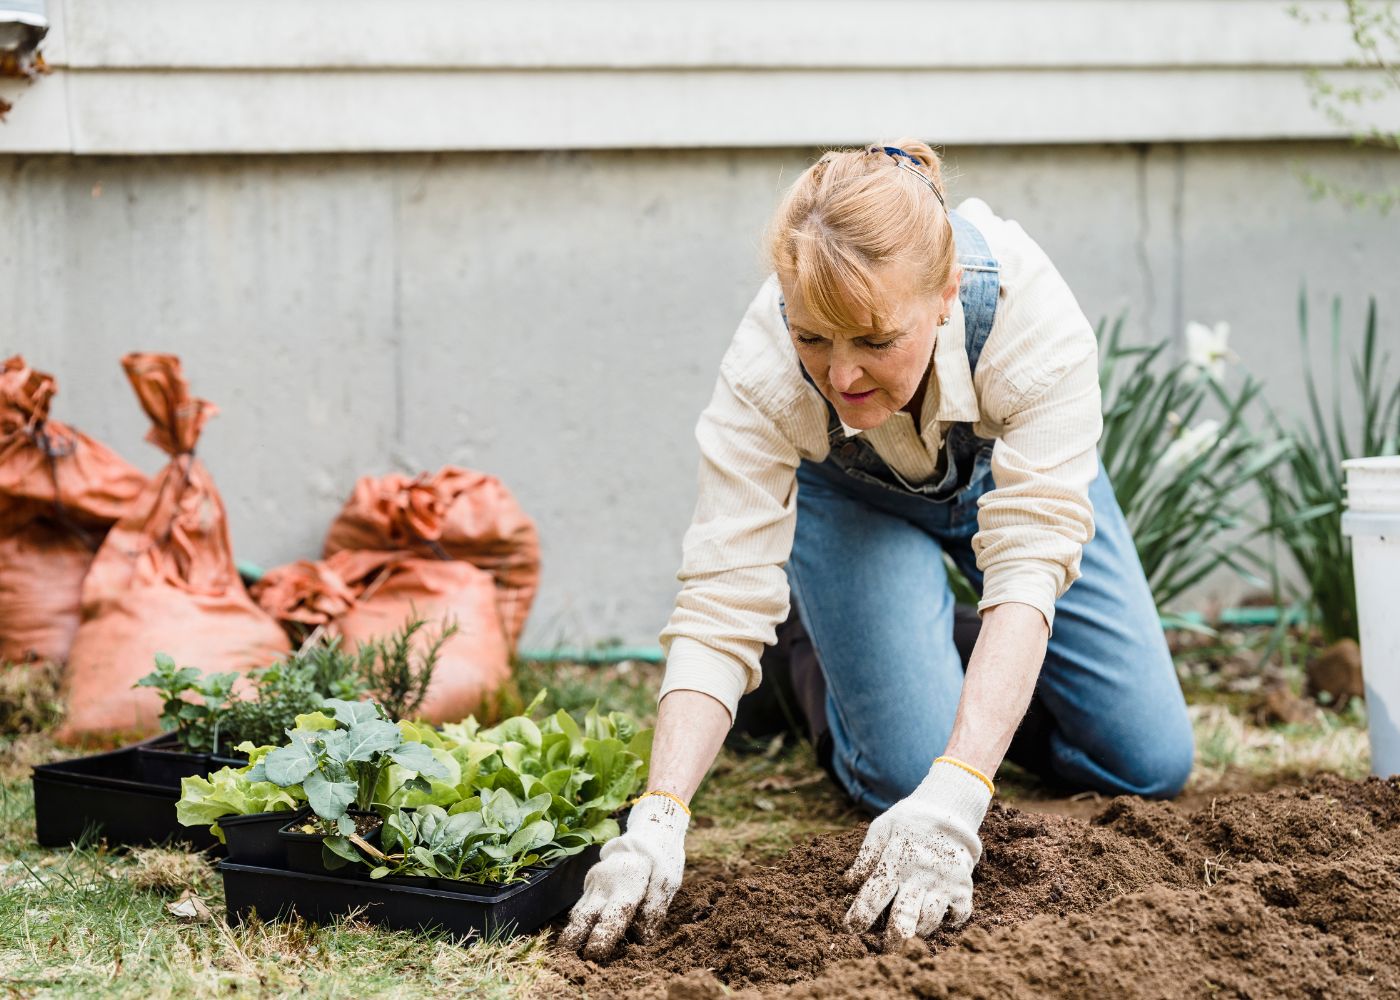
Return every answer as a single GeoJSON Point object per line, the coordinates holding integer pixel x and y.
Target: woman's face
{"type": "Point", "coordinates": [869, 373]}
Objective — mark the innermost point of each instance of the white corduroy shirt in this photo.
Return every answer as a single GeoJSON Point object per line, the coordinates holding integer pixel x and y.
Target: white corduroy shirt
{"type": "Point", "coordinates": [1036, 393]}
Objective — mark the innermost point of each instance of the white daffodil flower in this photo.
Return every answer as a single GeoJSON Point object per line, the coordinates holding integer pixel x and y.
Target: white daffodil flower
{"type": "Point", "coordinates": [1188, 446]}
{"type": "Point", "coordinates": [1207, 348]}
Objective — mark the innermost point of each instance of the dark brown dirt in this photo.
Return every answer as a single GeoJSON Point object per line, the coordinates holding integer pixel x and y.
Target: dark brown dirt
{"type": "Point", "coordinates": [1293, 892]}
{"type": "Point", "coordinates": [1336, 672]}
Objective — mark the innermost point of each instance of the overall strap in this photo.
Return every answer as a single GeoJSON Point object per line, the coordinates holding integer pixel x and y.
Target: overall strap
{"type": "Point", "coordinates": [980, 286]}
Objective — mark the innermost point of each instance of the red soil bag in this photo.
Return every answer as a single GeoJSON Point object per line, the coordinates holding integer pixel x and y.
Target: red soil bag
{"type": "Point", "coordinates": [164, 580]}
{"type": "Point", "coordinates": [60, 491]}
{"type": "Point", "coordinates": [453, 514]}
{"type": "Point", "coordinates": [363, 595]}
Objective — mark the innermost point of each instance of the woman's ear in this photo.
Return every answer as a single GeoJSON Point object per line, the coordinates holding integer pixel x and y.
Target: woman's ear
{"type": "Point", "coordinates": [951, 292]}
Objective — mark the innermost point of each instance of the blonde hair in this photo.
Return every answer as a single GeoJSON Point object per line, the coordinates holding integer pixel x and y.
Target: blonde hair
{"type": "Point", "coordinates": [856, 211]}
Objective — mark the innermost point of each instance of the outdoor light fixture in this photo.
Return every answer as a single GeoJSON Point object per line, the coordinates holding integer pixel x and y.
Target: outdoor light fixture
{"type": "Point", "coordinates": [22, 26]}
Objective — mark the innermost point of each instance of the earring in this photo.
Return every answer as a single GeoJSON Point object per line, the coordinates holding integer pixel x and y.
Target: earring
{"type": "Point", "coordinates": [944, 319]}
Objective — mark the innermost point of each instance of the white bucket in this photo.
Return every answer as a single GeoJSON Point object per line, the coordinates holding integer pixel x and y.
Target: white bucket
{"type": "Point", "coordinates": [1372, 522]}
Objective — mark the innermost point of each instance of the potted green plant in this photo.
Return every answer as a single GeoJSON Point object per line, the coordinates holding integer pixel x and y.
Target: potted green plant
{"type": "Point", "coordinates": [340, 764]}
{"type": "Point", "coordinates": [499, 837]}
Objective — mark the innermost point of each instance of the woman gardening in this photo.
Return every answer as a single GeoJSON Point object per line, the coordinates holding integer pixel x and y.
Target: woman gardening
{"type": "Point", "coordinates": [912, 380]}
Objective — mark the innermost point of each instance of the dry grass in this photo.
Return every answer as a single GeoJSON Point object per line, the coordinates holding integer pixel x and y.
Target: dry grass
{"type": "Point", "coordinates": [1231, 751]}
{"type": "Point", "coordinates": [159, 869]}
{"type": "Point", "coordinates": [28, 697]}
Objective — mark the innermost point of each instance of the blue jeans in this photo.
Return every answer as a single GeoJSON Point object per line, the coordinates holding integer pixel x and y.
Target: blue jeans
{"type": "Point", "coordinates": [869, 582]}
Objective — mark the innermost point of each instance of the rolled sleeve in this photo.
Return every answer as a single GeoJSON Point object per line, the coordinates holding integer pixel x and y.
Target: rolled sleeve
{"type": "Point", "coordinates": [1034, 524]}
{"type": "Point", "coordinates": [693, 666]}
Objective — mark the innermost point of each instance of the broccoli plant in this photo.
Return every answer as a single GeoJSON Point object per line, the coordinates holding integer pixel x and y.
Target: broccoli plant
{"type": "Point", "coordinates": [339, 769]}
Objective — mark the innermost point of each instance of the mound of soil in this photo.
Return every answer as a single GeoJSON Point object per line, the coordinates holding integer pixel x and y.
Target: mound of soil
{"type": "Point", "coordinates": [1293, 892]}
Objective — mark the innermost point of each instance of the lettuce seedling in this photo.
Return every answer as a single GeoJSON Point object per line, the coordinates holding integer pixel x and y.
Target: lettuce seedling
{"type": "Point", "coordinates": [230, 792]}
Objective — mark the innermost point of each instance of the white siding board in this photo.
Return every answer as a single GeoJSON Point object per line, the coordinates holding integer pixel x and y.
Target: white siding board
{"type": "Point", "coordinates": [698, 34]}
{"type": "Point", "coordinates": [152, 112]}
{"type": "Point", "coordinates": [139, 77]}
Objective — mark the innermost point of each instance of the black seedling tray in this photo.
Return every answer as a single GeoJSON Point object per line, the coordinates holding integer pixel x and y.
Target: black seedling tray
{"type": "Point", "coordinates": [491, 892]}
{"type": "Point", "coordinates": [162, 762]}
{"type": "Point", "coordinates": [514, 909]}
{"type": "Point", "coordinates": [254, 840]}
{"type": "Point", "coordinates": [105, 791]}
{"type": "Point", "coordinates": [303, 850]}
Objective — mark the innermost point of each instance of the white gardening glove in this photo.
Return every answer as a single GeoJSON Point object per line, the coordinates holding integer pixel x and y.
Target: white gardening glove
{"type": "Point", "coordinates": [920, 854]}
{"type": "Point", "coordinates": [637, 874]}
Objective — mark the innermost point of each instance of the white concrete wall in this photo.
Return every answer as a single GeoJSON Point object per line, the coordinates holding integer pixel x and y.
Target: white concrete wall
{"type": "Point", "coordinates": [557, 318]}
{"type": "Point", "coordinates": [339, 213]}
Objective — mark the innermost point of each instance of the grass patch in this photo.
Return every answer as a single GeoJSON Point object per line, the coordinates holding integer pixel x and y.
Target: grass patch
{"type": "Point", "coordinates": [85, 922]}
{"type": "Point", "coordinates": [756, 806]}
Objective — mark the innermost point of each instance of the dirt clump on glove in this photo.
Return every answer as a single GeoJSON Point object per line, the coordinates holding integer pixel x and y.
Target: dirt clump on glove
{"type": "Point", "coordinates": [1288, 892]}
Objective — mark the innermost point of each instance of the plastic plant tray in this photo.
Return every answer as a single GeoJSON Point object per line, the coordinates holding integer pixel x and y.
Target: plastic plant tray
{"type": "Point", "coordinates": [105, 793]}
{"type": "Point", "coordinates": [461, 911]}
{"type": "Point", "coordinates": [162, 762]}
{"type": "Point", "coordinates": [303, 850]}
{"type": "Point", "coordinates": [254, 839]}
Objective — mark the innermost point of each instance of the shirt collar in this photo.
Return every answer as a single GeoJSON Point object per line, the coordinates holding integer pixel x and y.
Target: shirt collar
{"type": "Point", "coordinates": [952, 375]}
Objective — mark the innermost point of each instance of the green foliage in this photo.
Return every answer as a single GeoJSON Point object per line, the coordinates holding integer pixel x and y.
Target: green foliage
{"type": "Point", "coordinates": [1375, 33]}
{"type": "Point", "coordinates": [280, 692]}
{"type": "Point", "coordinates": [197, 724]}
{"type": "Point", "coordinates": [1183, 485]}
{"type": "Point", "coordinates": [340, 768]}
{"type": "Point", "coordinates": [230, 792]}
{"type": "Point", "coordinates": [396, 674]}
{"type": "Point", "coordinates": [520, 793]}
{"type": "Point", "coordinates": [1306, 495]}
{"type": "Point", "coordinates": [295, 686]}
{"type": "Point", "coordinates": [491, 844]}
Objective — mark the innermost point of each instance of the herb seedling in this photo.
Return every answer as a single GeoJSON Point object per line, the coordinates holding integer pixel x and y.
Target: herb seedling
{"type": "Point", "coordinates": [397, 675]}
{"type": "Point", "coordinates": [296, 686]}
{"type": "Point", "coordinates": [196, 725]}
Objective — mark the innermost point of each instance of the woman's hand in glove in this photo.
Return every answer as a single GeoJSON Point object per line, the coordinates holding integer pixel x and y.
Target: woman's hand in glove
{"type": "Point", "coordinates": [634, 880]}
{"type": "Point", "coordinates": [920, 855]}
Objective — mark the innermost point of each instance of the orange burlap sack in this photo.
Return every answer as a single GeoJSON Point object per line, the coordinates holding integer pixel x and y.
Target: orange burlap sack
{"type": "Point", "coordinates": [59, 493]}
{"type": "Point", "coordinates": [363, 595]}
{"type": "Point", "coordinates": [164, 580]}
{"type": "Point", "coordinates": [452, 514]}
{"type": "Point", "coordinates": [304, 596]}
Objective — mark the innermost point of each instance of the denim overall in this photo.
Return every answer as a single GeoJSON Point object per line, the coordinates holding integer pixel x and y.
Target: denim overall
{"type": "Point", "coordinates": [868, 581]}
